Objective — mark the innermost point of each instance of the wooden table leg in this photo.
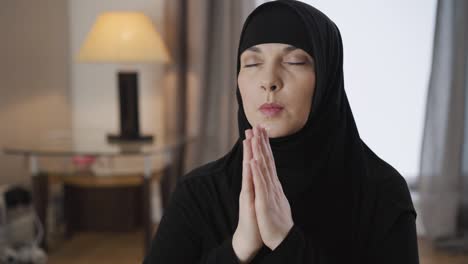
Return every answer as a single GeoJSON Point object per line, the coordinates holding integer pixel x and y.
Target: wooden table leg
{"type": "Point", "coordinates": [40, 193]}
{"type": "Point", "coordinates": [146, 210]}
{"type": "Point", "coordinates": [68, 211]}
{"type": "Point", "coordinates": [146, 218]}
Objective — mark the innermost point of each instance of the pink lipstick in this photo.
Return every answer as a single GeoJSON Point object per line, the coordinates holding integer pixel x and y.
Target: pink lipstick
{"type": "Point", "coordinates": [271, 109]}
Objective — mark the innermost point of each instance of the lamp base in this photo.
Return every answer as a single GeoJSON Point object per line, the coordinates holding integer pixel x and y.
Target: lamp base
{"type": "Point", "coordinates": [112, 138]}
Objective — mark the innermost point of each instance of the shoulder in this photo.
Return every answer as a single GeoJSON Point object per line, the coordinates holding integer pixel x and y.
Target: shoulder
{"type": "Point", "coordinates": [200, 180]}
{"type": "Point", "coordinates": [195, 192]}
{"type": "Point", "coordinates": [392, 207]}
{"type": "Point", "coordinates": [203, 172]}
{"type": "Point", "coordinates": [391, 186]}
{"type": "Point", "coordinates": [214, 168]}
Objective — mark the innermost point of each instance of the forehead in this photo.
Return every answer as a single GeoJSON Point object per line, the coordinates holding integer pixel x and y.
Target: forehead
{"type": "Point", "coordinates": [271, 47]}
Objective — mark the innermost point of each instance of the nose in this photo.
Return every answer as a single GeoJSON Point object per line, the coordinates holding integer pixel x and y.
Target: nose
{"type": "Point", "coordinates": [271, 87]}
{"type": "Point", "coordinates": [270, 82]}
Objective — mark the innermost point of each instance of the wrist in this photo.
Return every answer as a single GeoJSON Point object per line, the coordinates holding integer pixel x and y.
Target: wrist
{"type": "Point", "coordinates": [243, 254]}
{"type": "Point", "coordinates": [275, 243]}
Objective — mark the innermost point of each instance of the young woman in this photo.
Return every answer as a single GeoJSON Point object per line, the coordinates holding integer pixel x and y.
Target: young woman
{"type": "Point", "coordinates": [299, 186]}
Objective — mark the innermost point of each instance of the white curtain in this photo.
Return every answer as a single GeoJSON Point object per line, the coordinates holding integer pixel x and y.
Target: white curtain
{"type": "Point", "coordinates": [444, 157]}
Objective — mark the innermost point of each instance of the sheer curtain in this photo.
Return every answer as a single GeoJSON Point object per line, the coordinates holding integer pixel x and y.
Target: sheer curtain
{"type": "Point", "coordinates": [444, 159]}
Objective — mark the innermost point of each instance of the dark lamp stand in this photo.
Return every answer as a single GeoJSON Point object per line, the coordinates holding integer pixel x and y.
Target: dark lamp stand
{"type": "Point", "coordinates": [128, 104]}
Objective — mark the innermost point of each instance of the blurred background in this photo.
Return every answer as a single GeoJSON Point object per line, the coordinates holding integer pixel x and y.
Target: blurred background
{"type": "Point", "coordinates": [105, 105]}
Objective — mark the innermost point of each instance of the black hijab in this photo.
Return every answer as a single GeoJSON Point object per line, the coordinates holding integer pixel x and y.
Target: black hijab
{"type": "Point", "coordinates": [323, 167]}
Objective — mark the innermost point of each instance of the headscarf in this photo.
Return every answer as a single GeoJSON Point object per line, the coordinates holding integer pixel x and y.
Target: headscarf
{"type": "Point", "coordinates": [323, 167]}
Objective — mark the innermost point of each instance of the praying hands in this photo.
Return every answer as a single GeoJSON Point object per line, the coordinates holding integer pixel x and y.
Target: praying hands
{"type": "Point", "coordinates": [264, 211]}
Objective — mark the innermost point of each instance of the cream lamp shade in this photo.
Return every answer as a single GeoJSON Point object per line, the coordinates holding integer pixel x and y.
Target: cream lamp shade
{"type": "Point", "coordinates": [127, 37]}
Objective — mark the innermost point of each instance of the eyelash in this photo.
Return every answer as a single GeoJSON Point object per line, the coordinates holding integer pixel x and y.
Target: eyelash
{"type": "Point", "coordinates": [290, 63]}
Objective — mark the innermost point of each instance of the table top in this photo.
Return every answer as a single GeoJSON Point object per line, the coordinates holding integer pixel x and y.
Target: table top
{"type": "Point", "coordinates": [94, 146]}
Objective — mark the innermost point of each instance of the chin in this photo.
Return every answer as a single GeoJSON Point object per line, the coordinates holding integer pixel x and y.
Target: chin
{"type": "Point", "coordinates": [275, 130]}
{"type": "Point", "coordinates": [277, 134]}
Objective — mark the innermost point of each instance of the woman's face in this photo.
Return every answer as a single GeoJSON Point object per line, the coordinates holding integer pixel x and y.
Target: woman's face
{"type": "Point", "coordinates": [280, 75]}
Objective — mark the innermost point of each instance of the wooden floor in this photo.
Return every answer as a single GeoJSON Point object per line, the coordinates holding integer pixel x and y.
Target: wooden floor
{"type": "Point", "coordinates": [126, 248]}
{"type": "Point", "coordinates": [427, 255]}
{"type": "Point", "coordinates": [98, 248]}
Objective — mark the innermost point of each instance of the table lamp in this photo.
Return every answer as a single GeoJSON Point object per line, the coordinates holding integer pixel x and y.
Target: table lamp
{"type": "Point", "coordinates": [125, 37]}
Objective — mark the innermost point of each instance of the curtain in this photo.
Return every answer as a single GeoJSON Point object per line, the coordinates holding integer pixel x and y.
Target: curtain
{"type": "Point", "coordinates": [443, 182]}
{"type": "Point", "coordinates": [213, 36]}
{"type": "Point", "coordinates": [200, 84]}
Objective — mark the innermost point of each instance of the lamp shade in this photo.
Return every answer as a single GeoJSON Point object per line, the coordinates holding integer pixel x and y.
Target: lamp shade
{"type": "Point", "coordinates": [123, 37]}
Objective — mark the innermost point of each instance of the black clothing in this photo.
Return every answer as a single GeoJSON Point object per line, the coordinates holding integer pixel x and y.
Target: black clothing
{"type": "Point", "coordinates": [348, 205]}
{"type": "Point", "coordinates": [270, 27]}
{"type": "Point", "coordinates": [198, 225]}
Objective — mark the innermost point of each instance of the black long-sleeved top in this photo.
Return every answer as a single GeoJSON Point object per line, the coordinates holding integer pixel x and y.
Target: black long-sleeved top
{"type": "Point", "coordinates": [199, 222]}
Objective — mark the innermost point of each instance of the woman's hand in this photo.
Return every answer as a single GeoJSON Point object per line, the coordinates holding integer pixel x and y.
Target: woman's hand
{"type": "Point", "coordinates": [247, 240]}
{"type": "Point", "coordinates": [272, 208]}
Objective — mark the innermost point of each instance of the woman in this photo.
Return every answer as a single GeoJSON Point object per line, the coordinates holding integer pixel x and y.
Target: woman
{"type": "Point", "coordinates": [299, 186]}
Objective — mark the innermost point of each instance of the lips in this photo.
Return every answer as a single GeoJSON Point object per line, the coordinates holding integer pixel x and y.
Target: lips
{"type": "Point", "coordinates": [271, 109]}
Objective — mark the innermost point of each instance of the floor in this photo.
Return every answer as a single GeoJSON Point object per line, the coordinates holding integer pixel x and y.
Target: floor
{"type": "Point", "coordinates": [94, 248]}
{"type": "Point", "coordinates": [125, 248]}
{"type": "Point", "coordinates": [427, 255]}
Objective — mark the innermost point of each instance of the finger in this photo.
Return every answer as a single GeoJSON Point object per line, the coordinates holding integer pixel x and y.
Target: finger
{"type": "Point", "coordinates": [268, 147]}
{"type": "Point", "coordinates": [258, 155]}
{"type": "Point", "coordinates": [247, 193]}
{"type": "Point", "coordinates": [254, 140]}
{"type": "Point", "coordinates": [259, 182]}
{"type": "Point", "coordinates": [248, 133]}
{"type": "Point", "coordinates": [247, 150]}
{"type": "Point", "coordinates": [246, 172]}
{"type": "Point", "coordinates": [270, 160]}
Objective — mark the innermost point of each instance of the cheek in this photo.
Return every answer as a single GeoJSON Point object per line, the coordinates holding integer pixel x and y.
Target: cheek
{"type": "Point", "coordinates": [248, 94]}
{"type": "Point", "coordinates": [302, 99]}
{"type": "Point", "coordinates": [244, 89]}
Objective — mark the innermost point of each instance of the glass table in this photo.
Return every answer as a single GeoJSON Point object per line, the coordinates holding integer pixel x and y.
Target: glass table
{"type": "Point", "coordinates": [83, 154]}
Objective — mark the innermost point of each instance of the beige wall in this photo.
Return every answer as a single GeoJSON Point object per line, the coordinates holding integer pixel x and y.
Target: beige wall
{"type": "Point", "coordinates": [34, 76]}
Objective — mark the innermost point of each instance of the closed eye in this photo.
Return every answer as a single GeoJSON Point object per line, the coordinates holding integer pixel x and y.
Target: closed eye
{"type": "Point", "coordinates": [251, 65]}
{"type": "Point", "coordinates": [296, 63]}
{"type": "Point", "coordinates": [290, 63]}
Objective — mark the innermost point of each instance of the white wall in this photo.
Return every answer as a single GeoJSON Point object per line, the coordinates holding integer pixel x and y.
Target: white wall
{"type": "Point", "coordinates": [387, 58]}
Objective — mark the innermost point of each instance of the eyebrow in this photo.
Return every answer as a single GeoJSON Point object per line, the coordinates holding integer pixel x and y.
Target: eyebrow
{"type": "Point", "coordinates": [287, 49]}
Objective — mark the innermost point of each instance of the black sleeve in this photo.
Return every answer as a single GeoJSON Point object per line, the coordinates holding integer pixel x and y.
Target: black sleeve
{"type": "Point", "coordinates": [297, 248]}
{"type": "Point", "coordinates": [177, 240]}
{"type": "Point", "coordinates": [400, 246]}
